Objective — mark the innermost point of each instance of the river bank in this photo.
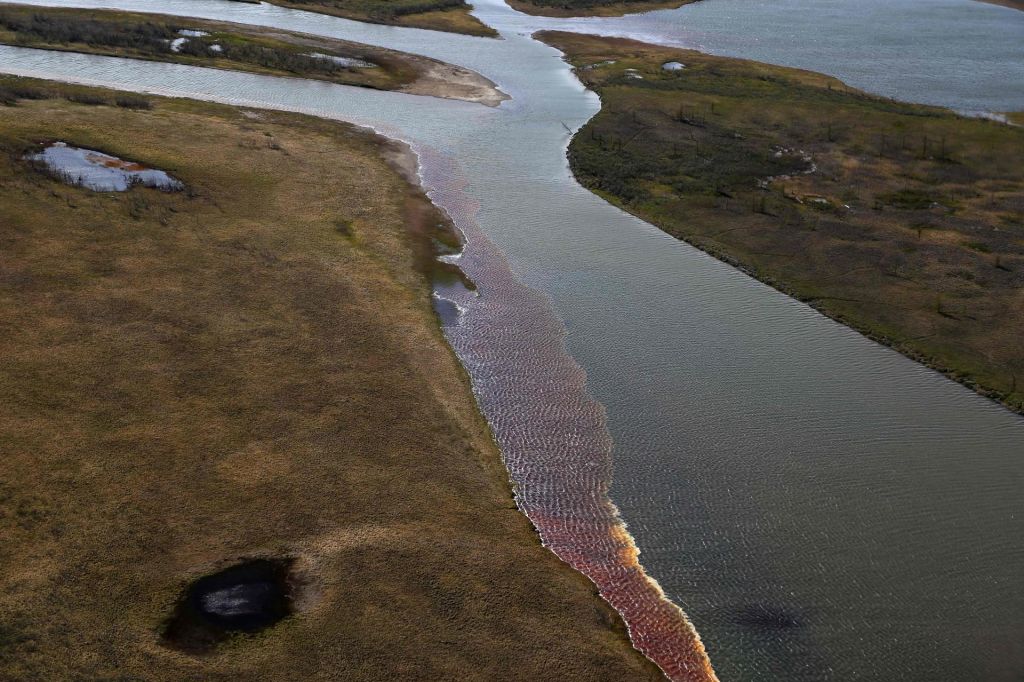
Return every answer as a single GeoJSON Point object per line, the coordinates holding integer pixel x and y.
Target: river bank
{"type": "Point", "coordinates": [902, 221]}
{"type": "Point", "coordinates": [251, 368]}
{"type": "Point", "coordinates": [236, 46]}
{"type": "Point", "coordinates": [436, 15]}
{"type": "Point", "coordinates": [1012, 4]}
{"type": "Point", "coordinates": [593, 8]}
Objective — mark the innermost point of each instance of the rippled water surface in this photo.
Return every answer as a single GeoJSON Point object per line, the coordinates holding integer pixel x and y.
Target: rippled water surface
{"type": "Point", "coordinates": [820, 506]}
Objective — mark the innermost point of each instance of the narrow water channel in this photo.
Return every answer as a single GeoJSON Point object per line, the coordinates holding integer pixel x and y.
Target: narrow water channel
{"type": "Point", "coordinates": [821, 507]}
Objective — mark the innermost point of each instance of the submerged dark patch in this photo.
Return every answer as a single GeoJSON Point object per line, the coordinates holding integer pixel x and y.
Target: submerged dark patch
{"type": "Point", "coordinates": [244, 598]}
{"type": "Point", "coordinates": [767, 618]}
{"type": "Point", "coordinates": [447, 312]}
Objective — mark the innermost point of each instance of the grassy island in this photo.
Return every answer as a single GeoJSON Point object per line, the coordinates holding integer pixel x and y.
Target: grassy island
{"type": "Point", "coordinates": [905, 222]}
{"type": "Point", "coordinates": [593, 8]}
{"type": "Point", "coordinates": [437, 15]}
{"type": "Point", "coordinates": [247, 371]}
{"type": "Point", "coordinates": [198, 42]}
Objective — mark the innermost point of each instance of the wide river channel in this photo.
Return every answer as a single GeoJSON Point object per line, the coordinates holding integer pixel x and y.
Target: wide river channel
{"type": "Point", "coordinates": [821, 507]}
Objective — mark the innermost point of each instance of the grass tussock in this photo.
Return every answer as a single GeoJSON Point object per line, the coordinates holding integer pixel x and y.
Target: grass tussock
{"type": "Point", "coordinates": [903, 221]}
{"type": "Point", "coordinates": [196, 378]}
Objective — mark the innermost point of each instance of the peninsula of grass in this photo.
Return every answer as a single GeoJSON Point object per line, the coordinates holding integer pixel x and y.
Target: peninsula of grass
{"type": "Point", "coordinates": [593, 8]}
{"type": "Point", "coordinates": [436, 15]}
{"type": "Point", "coordinates": [905, 222]}
{"type": "Point", "coordinates": [248, 373]}
{"type": "Point", "coordinates": [224, 45]}
{"type": "Point", "coordinates": [1012, 4]}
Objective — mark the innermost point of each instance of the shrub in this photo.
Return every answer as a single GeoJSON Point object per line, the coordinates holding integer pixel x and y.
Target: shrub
{"type": "Point", "coordinates": [85, 98]}
{"type": "Point", "coordinates": [910, 199]}
{"type": "Point", "coordinates": [131, 102]}
{"type": "Point", "coordinates": [22, 91]}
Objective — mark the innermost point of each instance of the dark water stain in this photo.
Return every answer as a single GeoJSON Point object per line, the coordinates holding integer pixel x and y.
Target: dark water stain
{"type": "Point", "coordinates": [449, 292]}
{"type": "Point", "coordinates": [764, 618]}
{"type": "Point", "coordinates": [446, 311]}
{"type": "Point", "coordinates": [244, 598]}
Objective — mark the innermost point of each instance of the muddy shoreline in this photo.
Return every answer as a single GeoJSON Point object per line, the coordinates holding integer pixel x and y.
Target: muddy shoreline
{"type": "Point", "coordinates": [434, 77]}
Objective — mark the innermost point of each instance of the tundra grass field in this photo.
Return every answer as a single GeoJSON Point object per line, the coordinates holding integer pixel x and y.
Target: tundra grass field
{"type": "Point", "coordinates": [251, 368]}
{"type": "Point", "coordinates": [903, 221]}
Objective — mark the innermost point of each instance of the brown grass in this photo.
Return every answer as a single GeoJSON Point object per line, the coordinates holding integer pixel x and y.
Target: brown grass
{"type": "Point", "coordinates": [910, 228]}
{"type": "Point", "coordinates": [252, 368]}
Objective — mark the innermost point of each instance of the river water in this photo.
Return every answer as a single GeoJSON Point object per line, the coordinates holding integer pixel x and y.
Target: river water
{"type": "Point", "coordinates": [820, 506]}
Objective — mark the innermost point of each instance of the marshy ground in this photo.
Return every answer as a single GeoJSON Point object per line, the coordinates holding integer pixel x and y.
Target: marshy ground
{"type": "Point", "coordinates": [250, 370]}
{"type": "Point", "coordinates": [904, 221]}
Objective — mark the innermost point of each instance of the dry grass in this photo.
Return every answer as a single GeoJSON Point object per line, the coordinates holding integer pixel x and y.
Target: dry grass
{"type": "Point", "coordinates": [252, 368]}
{"type": "Point", "coordinates": [910, 227]}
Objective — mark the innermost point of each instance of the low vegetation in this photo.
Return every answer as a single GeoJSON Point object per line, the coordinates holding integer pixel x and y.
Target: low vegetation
{"type": "Point", "coordinates": [250, 371]}
{"type": "Point", "coordinates": [438, 15]}
{"type": "Point", "coordinates": [599, 8]}
{"type": "Point", "coordinates": [224, 45]}
{"type": "Point", "coordinates": [1013, 4]}
{"type": "Point", "coordinates": [905, 222]}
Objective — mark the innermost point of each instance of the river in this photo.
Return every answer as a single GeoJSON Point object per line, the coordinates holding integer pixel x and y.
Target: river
{"type": "Point", "coordinates": [820, 506]}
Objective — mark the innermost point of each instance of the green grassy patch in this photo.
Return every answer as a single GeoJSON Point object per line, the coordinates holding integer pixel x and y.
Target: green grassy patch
{"type": "Point", "coordinates": [438, 15]}
{"type": "Point", "coordinates": [868, 208]}
{"type": "Point", "coordinates": [224, 46]}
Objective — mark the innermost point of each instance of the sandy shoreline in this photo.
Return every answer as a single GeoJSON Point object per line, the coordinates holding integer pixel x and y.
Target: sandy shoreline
{"type": "Point", "coordinates": [434, 77]}
{"type": "Point", "coordinates": [440, 79]}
